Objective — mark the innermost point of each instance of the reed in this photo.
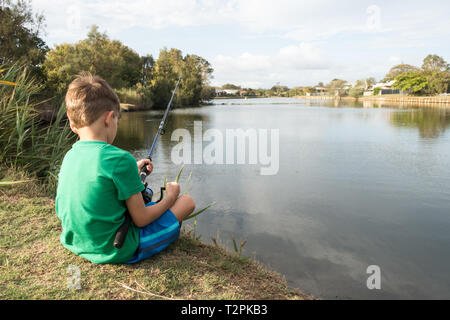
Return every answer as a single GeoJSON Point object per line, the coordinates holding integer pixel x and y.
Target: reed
{"type": "Point", "coordinates": [26, 142]}
{"type": "Point", "coordinates": [129, 96]}
{"type": "Point", "coordinates": [195, 214]}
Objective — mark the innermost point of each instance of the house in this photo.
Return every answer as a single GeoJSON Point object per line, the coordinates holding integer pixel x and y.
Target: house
{"type": "Point", "coordinates": [220, 92]}
{"type": "Point", "coordinates": [386, 87]}
{"type": "Point", "coordinates": [226, 92]}
{"type": "Point", "coordinates": [320, 91]}
{"type": "Point", "coordinates": [231, 92]}
{"type": "Point", "coordinates": [383, 88]}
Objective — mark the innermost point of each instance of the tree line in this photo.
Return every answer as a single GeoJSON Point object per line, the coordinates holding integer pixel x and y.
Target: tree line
{"type": "Point", "coordinates": [432, 78]}
{"type": "Point", "coordinates": [138, 80]}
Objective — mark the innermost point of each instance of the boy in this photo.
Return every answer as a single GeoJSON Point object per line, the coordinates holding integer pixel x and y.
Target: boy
{"type": "Point", "coordinates": [99, 182]}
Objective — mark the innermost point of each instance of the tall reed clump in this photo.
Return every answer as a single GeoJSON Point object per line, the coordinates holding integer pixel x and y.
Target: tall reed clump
{"type": "Point", "coordinates": [26, 142]}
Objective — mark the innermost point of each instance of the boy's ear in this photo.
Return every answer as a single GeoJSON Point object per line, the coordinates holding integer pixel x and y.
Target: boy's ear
{"type": "Point", "coordinates": [73, 128]}
{"type": "Point", "coordinates": [109, 116]}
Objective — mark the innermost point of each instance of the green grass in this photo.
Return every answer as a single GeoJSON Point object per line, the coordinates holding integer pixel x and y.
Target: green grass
{"type": "Point", "coordinates": [34, 265]}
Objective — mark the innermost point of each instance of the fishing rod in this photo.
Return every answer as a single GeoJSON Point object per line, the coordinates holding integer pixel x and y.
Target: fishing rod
{"type": "Point", "coordinates": [144, 172]}
{"type": "Point", "coordinates": [147, 193]}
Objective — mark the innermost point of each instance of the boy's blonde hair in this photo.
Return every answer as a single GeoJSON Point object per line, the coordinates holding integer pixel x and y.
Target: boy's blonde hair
{"type": "Point", "coordinates": [88, 97]}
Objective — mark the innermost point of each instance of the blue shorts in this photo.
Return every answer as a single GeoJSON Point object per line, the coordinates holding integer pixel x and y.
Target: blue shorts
{"type": "Point", "coordinates": [156, 236]}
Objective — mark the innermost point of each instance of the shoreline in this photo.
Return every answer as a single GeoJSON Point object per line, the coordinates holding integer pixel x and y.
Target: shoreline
{"type": "Point", "coordinates": [443, 101]}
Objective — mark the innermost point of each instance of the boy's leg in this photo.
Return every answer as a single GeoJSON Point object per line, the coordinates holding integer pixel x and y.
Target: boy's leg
{"type": "Point", "coordinates": [183, 207]}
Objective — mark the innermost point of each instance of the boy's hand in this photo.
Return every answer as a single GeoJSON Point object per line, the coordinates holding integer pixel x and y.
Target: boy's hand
{"type": "Point", "coordinates": [172, 190]}
{"type": "Point", "coordinates": [145, 162]}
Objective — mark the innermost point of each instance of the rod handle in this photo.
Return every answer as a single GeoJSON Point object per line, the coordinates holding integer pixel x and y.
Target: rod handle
{"type": "Point", "coordinates": [144, 172]}
{"type": "Point", "coordinates": [122, 232]}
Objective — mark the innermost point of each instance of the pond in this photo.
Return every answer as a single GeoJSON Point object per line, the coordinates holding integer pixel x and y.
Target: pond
{"type": "Point", "coordinates": [357, 185]}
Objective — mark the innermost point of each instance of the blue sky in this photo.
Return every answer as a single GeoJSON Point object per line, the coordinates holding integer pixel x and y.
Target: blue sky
{"type": "Point", "coordinates": [258, 43]}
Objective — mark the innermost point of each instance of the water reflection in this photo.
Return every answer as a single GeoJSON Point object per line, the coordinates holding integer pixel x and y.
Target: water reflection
{"type": "Point", "coordinates": [137, 129]}
{"type": "Point", "coordinates": [431, 122]}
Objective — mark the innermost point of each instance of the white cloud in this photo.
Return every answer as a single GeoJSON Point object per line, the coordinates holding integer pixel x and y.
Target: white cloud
{"type": "Point", "coordinates": [246, 62]}
{"type": "Point", "coordinates": [304, 56]}
{"type": "Point", "coordinates": [284, 66]}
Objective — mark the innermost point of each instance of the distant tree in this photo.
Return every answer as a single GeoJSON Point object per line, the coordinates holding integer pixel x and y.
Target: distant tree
{"type": "Point", "coordinates": [296, 92]}
{"type": "Point", "coordinates": [20, 36]}
{"type": "Point", "coordinates": [365, 83]}
{"type": "Point", "coordinates": [119, 65]}
{"type": "Point", "coordinates": [397, 70]}
{"type": "Point", "coordinates": [230, 86]}
{"type": "Point", "coordinates": [208, 93]}
{"type": "Point", "coordinates": [309, 90]}
{"type": "Point", "coordinates": [336, 85]}
{"type": "Point", "coordinates": [168, 67]}
{"type": "Point", "coordinates": [413, 81]}
{"type": "Point", "coordinates": [260, 92]}
{"type": "Point", "coordinates": [435, 63]}
{"type": "Point", "coordinates": [438, 82]}
{"type": "Point", "coordinates": [356, 92]}
{"type": "Point", "coordinates": [148, 64]}
{"type": "Point", "coordinates": [196, 75]}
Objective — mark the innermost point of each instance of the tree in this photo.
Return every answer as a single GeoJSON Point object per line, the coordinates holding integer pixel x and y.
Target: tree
{"type": "Point", "coordinates": [336, 85]}
{"type": "Point", "coordinates": [435, 63]}
{"type": "Point", "coordinates": [310, 90]}
{"type": "Point", "coordinates": [196, 75]}
{"type": "Point", "coordinates": [397, 70]}
{"type": "Point", "coordinates": [119, 65]}
{"type": "Point", "coordinates": [438, 82]}
{"type": "Point", "coordinates": [208, 93]}
{"type": "Point", "coordinates": [148, 64]}
{"type": "Point", "coordinates": [365, 83]}
{"type": "Point", "coordinates": [231, 87]}
{"type": "Point", "coordinates": [437, 72]}
{"type": "Point", "coordinates": [356, 92]}
{"type": "Point", "coordinates": [166, 73]}
{"type": "Point", "coordinates": [20, 36]}
{"type": "Point", "coordinates": [414, 82]}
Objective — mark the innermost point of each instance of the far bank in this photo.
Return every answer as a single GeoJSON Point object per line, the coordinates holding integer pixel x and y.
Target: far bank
{"type": "Point", "coordinates": [432, 101]}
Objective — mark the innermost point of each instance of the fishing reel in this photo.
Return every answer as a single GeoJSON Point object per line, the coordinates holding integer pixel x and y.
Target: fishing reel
{"type": "Point", "coordinates": [147, 194]}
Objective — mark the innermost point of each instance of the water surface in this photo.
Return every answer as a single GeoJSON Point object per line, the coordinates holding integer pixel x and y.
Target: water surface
{"type": "Point", "coordinates": [358, 185]}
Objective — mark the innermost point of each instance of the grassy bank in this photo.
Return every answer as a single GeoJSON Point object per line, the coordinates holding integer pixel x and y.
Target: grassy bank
{"type": "Point", "coordinates": [128, 107]}
{"type": "Point", "coordinates": [34, 265]}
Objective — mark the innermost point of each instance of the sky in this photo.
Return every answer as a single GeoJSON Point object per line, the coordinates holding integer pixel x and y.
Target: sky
{"type": "Point", "coordinates": [259, 43]}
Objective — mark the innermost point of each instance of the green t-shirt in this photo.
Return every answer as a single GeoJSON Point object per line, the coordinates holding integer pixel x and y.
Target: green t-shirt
{"type": "Point", "coordinates": [94, 181]}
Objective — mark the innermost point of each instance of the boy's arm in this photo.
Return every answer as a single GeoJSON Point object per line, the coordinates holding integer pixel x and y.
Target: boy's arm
{"type": "Point", "coordinates": [142, 215]}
